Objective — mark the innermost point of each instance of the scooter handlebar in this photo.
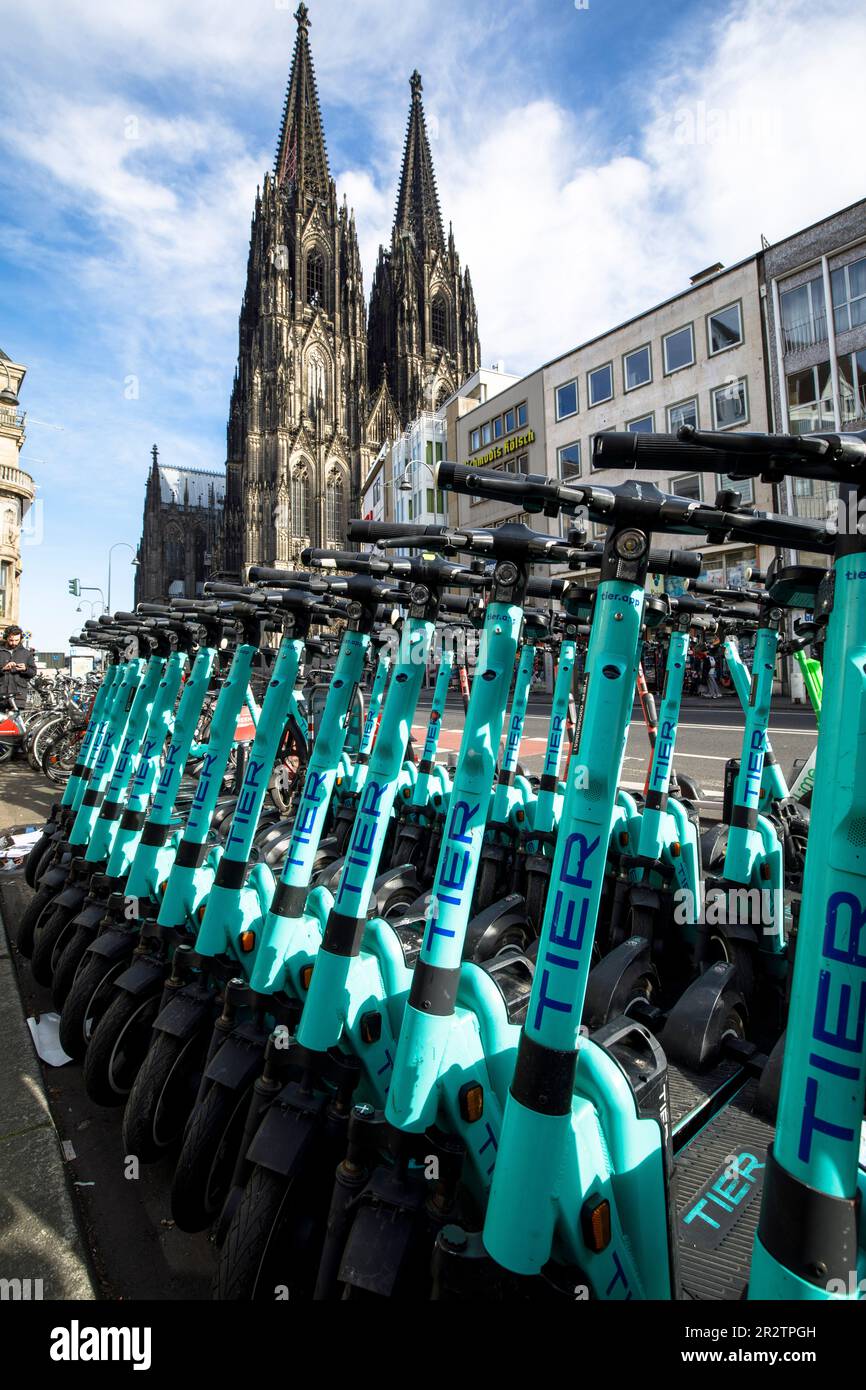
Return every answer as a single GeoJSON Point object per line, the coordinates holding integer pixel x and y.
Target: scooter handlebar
{"type": "Point", "coordinates": [835, 457]}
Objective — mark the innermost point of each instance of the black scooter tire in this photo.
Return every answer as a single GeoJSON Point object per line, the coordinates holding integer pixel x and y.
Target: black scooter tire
{"type": "Point", "coordinates": [67, 965]}
{"type": "Point", "coordinates": [162, 1095]}
{"type": "Point", "coordinates": [39, 903]}
{"type": "Point", "coordinates": [46, 939]}
{"type": "Point", "coordinates": [207, 1158]}
{"type": "Point", "coordinates": [35, 857]}
{"type": "Point", "coordinates": [119, 1046]}
{"type": "Point", "coordinates": [78, 1018]}
{"type": "Point", "coordinates": [253, 1236]}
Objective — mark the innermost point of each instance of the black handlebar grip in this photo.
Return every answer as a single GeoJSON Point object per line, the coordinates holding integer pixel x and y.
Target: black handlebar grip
{"type": "Point", "coordinates": [155, 610]}
{"type": "Point", "coordinates": [625, 449]}
{"type": "Point", "coordinates": [391, 530]}
{"type": "Point", "coordinates": [686, 564]}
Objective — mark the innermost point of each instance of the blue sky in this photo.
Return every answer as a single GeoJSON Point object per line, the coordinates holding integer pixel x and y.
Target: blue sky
{"type": "Point", "coordinates": [590, 159]}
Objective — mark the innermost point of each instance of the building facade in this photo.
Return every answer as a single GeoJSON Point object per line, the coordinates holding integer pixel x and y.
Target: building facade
{"type": "Point", "coordinates": [17, 488]}
{"type": "Point", "coordinates": [181, 535]}
{"type": "Point", "coordinates": [814, 293]}
{"type": "Point", "coordinates": [697, 358]}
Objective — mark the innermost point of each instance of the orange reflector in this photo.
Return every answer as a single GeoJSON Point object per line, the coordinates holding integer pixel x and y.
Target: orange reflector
{"type": "Point", "coordinates": [471, 1098]}
{"type": "Point", "coordinates": [201, 912]}
{"type": "Point", "coordinates": [595, 1223]}
{"type": "Point", "coordinates": [623, 837]}
{"type": "Point", "coordinates": [521, 815]}
{"type": "Point", "coordinates": [339, 781]}
{"type": "Point", "coordinates": [676, 849]}
{"type": "Point", "coordinates": [405, 793]}
{"type": "Point", "coordinates": [766, 871]}
{"type": "Point", "coordinates": [371, 1027]}
{"type": "Point", "coordinates": [248, 940]}
{"type": "Point", "coordinates": [163, 885]}
{"type": "Point", "coordinates": [306, 976]}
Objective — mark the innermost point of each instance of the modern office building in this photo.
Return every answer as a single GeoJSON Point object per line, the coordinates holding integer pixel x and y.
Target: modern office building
{"type": "Point", "coordinates": [814, 290]}
{"type": "Point", "coordinates": [17, 488]}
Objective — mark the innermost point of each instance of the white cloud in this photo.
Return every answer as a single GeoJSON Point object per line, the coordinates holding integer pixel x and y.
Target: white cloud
{"type": "Point", "coordinates": [749, 126]}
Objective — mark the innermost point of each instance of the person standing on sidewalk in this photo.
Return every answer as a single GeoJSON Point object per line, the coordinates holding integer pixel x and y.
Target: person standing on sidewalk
{"type": "Point", "coordinates": [17, 667]}
{"type": "Point", "coordinates": [713, 691]}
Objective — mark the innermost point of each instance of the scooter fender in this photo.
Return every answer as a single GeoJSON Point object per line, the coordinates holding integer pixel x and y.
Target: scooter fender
{"type": "Point", "coordinates": [487, 929]}
{"type": "Point", "coordinates": [402, 878]}
{"type": "Point", "coordinates": [285, 1141]}
{"type": "Point", "coordinates": [113, 944]}
{"type": "Point", "coordinates": [185, 1012]}
{"type": "Point", "coordinates": [329, 876]}
{"type": "Point", "coordinates": [71, 897]}
{"type": "Point", "coordinates": [379, 1244]}
{"type": "Point", "coordinates": [141, 976]}
{"type": "Point", "coordinates": [604, 978]}
{"type": "Point", "coordinates": [648, 898]}
{"type": "Point", "coordinates": [236, 1063]}
{"type": "Point", "coordinates": [691, 1032]}
{"type": "Point", "coordinates": [90, 916]}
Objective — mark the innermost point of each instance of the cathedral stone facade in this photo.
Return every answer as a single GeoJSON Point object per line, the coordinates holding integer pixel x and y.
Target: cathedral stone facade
{"type": "Point", "coordinates": [320, 386]}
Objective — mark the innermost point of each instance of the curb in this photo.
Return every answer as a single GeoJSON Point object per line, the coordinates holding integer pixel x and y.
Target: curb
{"type": "Point", "coordinates": [42, 1253]}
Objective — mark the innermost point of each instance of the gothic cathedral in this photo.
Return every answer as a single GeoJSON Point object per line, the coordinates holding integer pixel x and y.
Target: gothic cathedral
{"type": "Point", "coordinates": [318, 388]}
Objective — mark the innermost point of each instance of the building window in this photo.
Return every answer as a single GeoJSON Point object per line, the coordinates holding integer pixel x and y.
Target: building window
{"type": "Point", "coordinates": [744, 486]}
{"type": "Point", "coordinates": [485, 434]}
{"type": "Point", "coordinates": [317, 384]}
{"type": "Point", "coordinates": [725, 328]}
{"type": "Point", "coordinates": [730, 405]}
{"type": "Point", "coordinates": [497, 427]}
{"type": "Point", "coordinates": [175, 557]}
{"type": "Point", "coordinates": [335, 510]}
{"type": "Point", "coordinates": [810, 399]}
{"type": "Point", "coordinates": [852, 386]}
{"type": "Point", "coordinates": [600, 384]}
{"type": "Point", "coordinates": [644, 424]}
{"type": "Point", "coordinates": [687, 485]}
{"type": "Point", "coordinates": [474, 441]}
{"type": "Point", "coordinates": [300, 503]}
{"type": "Point", "coordinates": [509, 418]}
{"type": "Point", "coordinates": [679, 349]}
{"type": "Point", "coordinates": [568, 460]}
{"type": "Point", "coordinates": [5, 583]}
{"type": "Point", "coordinates": [684, 413]}
{"type": "Point", "coordinates": [439, 322]}
{"type": "Point", "coordinates": [637, 368]}
{"type": "Point", "coordinates": [436, 501]}
{"type": "Point", "coordinates": [729, 569]}
{"type": "Point", "coordinates": [566, 400]}
{"type": "Point", "coordinates": [848, 285]}
{"type": "Point", "coordinates": [521, 415]}
{"type": "Point", "coordinates": [315, 279]}
{"type": "Point", "coordinates": [804, 316]}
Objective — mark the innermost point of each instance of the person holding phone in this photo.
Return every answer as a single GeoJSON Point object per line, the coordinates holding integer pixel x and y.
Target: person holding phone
{"type": "Point", "coordinates": [17, 666]}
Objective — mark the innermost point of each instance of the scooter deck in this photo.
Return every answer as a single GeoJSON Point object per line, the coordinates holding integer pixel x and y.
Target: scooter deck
{"type": "Point", "coordinates": [692, 1092]}
{"type": "Point", "coordinates": [719, 1176]}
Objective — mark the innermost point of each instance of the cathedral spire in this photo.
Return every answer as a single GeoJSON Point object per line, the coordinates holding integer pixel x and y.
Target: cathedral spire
{"type": "Point", "coordinates": [418, 202]}
{"type": "Point", "coordinates": [302, 159]}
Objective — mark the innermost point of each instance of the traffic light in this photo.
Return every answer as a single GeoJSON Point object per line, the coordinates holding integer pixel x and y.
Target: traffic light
{"type": "Point", "coordinates": [75, 588]}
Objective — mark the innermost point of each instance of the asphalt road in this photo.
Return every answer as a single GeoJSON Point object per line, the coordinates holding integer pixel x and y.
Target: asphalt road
{"type": "Point", "coordinates": [710, 732]}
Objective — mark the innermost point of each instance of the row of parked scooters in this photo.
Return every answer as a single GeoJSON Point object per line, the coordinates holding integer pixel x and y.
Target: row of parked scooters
{"type": "Point", "coordinates": [454, 1031]}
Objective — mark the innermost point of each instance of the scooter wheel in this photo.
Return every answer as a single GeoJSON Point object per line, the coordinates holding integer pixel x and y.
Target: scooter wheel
{"type": "Point", "coordinates": [119, 1046]}
{"type": "Point", "coordinates": [247, 1268]}
{"type": "Point", "coordinates": [39, 903]}
{"type": "Point", "coordinates": [90, 993]}
{"type": "Point", "coordinates": [207, 1158]}
{"type": "Point", "coordinates": [637, 985]}
{"type": "Point", "coordinates": [741, 956]}
{"type": "Point", "coordinates": [488, 877]}
{"type": "Point", "coordinates": [68, 960]}
{"type": "Point", "coordinates": [47, 938]}
{"type": "Point", "coordinates": [35, 857]}
{"type": "Point", "coordinates": [163, 1094]}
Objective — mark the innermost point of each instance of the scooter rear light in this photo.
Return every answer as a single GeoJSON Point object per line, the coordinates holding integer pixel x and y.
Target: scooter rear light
{"type": "Point", "coordinates": [595, 1223]}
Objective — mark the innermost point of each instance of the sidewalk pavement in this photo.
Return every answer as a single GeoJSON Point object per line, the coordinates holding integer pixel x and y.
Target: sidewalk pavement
{"type": "Point", "coordinates": [40, 1240]}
